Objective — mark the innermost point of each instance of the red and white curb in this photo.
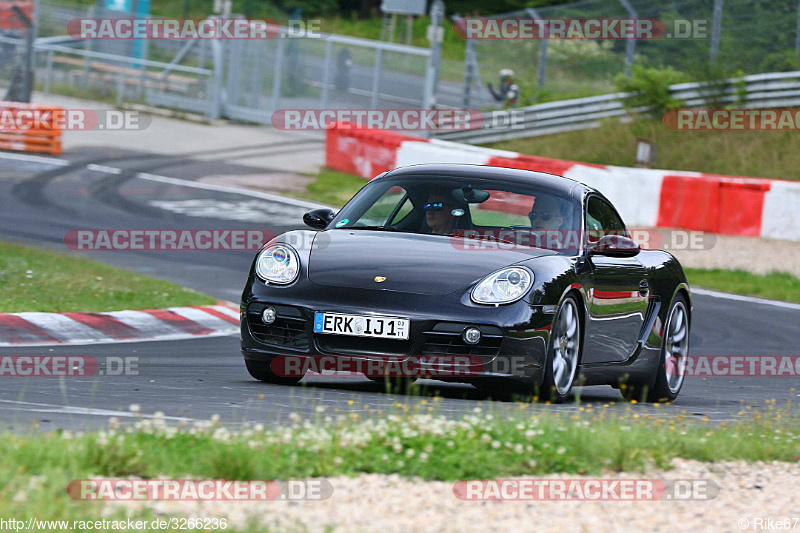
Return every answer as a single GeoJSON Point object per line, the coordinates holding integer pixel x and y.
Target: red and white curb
{"type": "Point", "coordinates": [173, 323]}
{"type": "Point", "coordinates": [732, 205]}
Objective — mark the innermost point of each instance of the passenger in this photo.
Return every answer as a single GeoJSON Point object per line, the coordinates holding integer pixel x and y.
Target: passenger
{"type": "Point", "coordinates": [548, 213]}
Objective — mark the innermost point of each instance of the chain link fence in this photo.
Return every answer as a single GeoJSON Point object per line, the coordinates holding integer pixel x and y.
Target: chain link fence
{"type": "Point", "coordinates": [240, 79]}
{"type": "Point", "coordinates": [722, 38]}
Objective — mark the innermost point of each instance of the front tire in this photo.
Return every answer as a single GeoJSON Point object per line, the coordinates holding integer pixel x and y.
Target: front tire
{"type": "Point", "coordinates": [261, 371]}
{"type": "Point", "coordinates": [563, 352]}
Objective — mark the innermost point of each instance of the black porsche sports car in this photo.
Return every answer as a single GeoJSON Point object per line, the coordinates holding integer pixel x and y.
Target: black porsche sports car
{"type": "Point", "coordinates": [478, 274]}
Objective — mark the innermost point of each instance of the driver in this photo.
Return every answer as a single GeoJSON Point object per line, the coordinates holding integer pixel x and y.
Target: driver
{"type": "Point", "coordinates": [439, 212]}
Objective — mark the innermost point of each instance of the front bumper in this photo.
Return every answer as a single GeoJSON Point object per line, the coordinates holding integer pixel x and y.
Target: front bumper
{"type": "Point", "coordinates": [513, 342]}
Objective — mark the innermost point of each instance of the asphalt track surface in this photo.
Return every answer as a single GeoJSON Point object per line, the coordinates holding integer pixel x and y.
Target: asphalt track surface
{"type": "Point", "coordinates": [197, 378]}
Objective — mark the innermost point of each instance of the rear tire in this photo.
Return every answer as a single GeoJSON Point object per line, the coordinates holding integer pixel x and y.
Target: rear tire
{"type": "Point", "coordinates": [671, 369]}
{"type": "Point", "coordinates": [261, 371]}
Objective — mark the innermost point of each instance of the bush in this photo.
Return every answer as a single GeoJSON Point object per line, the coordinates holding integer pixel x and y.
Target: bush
{"type": "Point", "coordinates": [650, 87]}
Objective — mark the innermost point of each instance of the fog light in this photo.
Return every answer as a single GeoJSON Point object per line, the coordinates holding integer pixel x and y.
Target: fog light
{"type": "Point", "coordinates": [268, 315]}
{"type": "Point", "coordinates": [472, 335]}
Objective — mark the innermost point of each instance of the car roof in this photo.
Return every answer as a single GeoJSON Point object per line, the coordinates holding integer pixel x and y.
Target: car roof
{"type": "Point", "coordinates": [560, 184]}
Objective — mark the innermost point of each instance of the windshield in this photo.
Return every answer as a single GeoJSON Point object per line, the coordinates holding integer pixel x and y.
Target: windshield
{"type": "Point", "coordinates": [486, 210]}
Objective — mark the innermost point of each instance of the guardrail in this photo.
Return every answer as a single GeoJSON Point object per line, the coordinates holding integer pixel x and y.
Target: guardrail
{"type": "Point", "coordinates": [42, 137]}
{"type": "Point", "coordinates": [777, 89]}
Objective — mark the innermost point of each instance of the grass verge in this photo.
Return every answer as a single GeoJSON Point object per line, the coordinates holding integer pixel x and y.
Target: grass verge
{"type": "Point", "coordinates": [738, 153]}
{"type": "Point", "coordinates": [330, 187]}
{"type": "Point", "coordinates": [41, 280]}
{"type": "Point", "coordinates": [774, 286]}
{"type": "Point", "coordinates": [411, 441]}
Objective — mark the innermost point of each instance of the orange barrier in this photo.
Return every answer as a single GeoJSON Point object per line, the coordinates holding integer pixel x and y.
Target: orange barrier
{"type": "Point", "coordinates": [30, 128]}
{"type": "Point", "coordinates": [9, 19]}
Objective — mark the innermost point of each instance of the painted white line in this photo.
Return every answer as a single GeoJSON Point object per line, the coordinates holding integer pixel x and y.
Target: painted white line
{"type": "Point", "coordinates": [749, 299]}
{"type": "Point", "coordinates": [232, 190]}
{"type": "Point", "coordinates": [207, 320]}
{"type": "Point", "coordinates": [66, 409]}
{"type": "Point", "coordinates": [35, 159]}
{"type": "Point", "coordinates": [62, 327]}
{"type": "Point", "coordinates": [104, 169]}
{"type": "Point", "coordinates": [172, 181]}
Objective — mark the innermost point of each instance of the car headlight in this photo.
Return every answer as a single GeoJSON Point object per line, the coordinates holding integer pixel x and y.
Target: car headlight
{"type": "Point", "coordinates": [278, 264]}
{"type": "Point", "coordinates": [503, 287]}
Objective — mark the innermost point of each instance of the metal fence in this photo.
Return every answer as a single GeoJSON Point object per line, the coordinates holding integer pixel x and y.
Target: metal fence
{"type": "Point", "coordinates": [239, 79]}
{"type": "Point", "coordinates": [751, 36]}
{"type": "Point", "coordinates": [757, 91]}
{"type": "Point", "coordinates": [16, 56]}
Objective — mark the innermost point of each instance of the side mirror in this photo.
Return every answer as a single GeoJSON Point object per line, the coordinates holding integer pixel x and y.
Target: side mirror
{"type": "Point", "coordinates": [615, 246]}
{"type": "Point", "coordinates": [319, 218]}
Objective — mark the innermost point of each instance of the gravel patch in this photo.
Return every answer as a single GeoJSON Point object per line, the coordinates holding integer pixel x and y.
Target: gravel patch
{"type": "Point", "coordinates": [759, 256]}
{"type": "Point", "coordinates": [391, 503]}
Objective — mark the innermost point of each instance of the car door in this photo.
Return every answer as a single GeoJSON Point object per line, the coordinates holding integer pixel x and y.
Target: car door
{"type": "Point", "coordinates": [619, 293]}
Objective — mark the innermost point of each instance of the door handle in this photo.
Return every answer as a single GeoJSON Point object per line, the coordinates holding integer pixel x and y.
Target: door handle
{"type": "Point", "coordinates": [644, 288]}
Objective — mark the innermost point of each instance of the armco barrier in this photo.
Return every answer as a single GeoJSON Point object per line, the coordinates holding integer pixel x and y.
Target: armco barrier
{"type": "Point", "coordinates": [43, 137]}
{"type": "Point", "coordinates": [730, 205]}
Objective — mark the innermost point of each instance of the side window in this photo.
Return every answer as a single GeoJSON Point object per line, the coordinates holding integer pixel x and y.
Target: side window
{"type": "Point", "coordinates": [601, 219]}
{"type": "Point", "coordinates": [405, 209]}
{"type": "Point", "coordinates": [385, 206]}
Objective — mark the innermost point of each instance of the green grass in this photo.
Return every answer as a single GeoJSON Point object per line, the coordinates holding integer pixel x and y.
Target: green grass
{"type": "Point", "coordinates": [411, 441]}
{"type": "Point", "coordinates": [40, 280]}
{"type": "Point", "coordinates": [618, 442]}
{"type": "Point", "coordinates": [330, 187]}
{"type": "Point", "coordinates": [775, 285]}
{"type": "Point", "coordinates": [763, 154]}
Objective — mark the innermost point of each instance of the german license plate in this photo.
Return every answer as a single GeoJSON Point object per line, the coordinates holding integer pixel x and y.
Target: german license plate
{"type": "Point", "coordinates": [383, 327]}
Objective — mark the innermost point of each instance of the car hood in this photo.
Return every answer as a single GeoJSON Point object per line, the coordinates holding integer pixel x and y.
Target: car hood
{"type": "Point", "coordinates": [412, 263]}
